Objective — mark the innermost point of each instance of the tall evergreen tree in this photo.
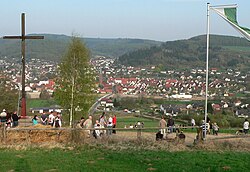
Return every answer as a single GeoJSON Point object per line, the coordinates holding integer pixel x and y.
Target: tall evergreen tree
{"type": "Point", "coordinates": [75, 80]}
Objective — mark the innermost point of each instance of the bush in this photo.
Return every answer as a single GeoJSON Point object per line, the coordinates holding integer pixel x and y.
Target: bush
{"type": "Point", "coordinates": [220, 119]}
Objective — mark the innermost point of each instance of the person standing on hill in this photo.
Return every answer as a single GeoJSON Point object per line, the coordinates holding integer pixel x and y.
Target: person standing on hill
{"type": "Point", "coordinates": [51, 119]}
{"type": "Point", "coordinates": [15, 119]}
{"type": "Point", "coordinates": [3, 116]}
{"type": "Point", "coordinates": [57, 121]}
{"type": "Point", "coordinates": [44, 119]}
{"type": "Point", "coordinates": [215, 128]}
{"type": "Point", "coordinates": [192, 123]}
{"type": "Point", "coordinates": [8, 120]}
{"type": "Point", "coordinates": [88, 124]}
{"type": "Point", "coordinates": [170, 124]}
{"type": "Point", "coordinates": [114, 123]}
{"type": "Point", "coordinates": [96, 132]}
{"type": "Point", "coordinates": [110, 125]}
{"type": "Point", "coordinates": [81, 122]}
{"type": "Point", "coordinates": [103, 121]}
{"type": "Point", "coordinates": [246, 126]}
{"type": "Point", "coordinates": [163, 125]}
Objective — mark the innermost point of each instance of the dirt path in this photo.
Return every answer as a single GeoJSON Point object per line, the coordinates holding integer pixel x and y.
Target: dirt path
{"type": "Point", "coordinates": [189, 137]}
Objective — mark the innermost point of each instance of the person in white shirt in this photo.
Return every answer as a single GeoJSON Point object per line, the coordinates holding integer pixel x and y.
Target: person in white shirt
{"type": "Point", "coordinates": [96, 133]}
{"type": "Point", "coordinates": [110, 119]}
{"type": "Point", "coordinates": [3, 116]}
{"type": "Point", "coordinates": [110, 125]}
{"type": "Point", "coordinates": [51, 119]}
{"type": "Point", "coordinates": [192, 122]}
{"type": "Point", "coordinates": [246, 126]}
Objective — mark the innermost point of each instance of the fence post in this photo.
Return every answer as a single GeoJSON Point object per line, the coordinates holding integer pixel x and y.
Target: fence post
{"type": "Point", "coordinates": [139, 132]}
{"type": "Point", "coordinates": [3, 133]}
{"type": "Point", "coordinates": [58, 136]}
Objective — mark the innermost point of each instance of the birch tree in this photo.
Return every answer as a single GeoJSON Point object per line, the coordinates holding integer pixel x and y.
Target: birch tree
{"type": "Point", "coordinates": [75, 80]}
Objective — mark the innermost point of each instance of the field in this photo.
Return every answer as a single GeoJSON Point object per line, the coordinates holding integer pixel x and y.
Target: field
{"type": "Point", "coordinates": [130, 119]}
{"type": "Point", "coordinates": [34, 103]}
{"type": "Point", "coordinates": [97, 159]}
{"type": "Point", "coordinates": [124, 152]}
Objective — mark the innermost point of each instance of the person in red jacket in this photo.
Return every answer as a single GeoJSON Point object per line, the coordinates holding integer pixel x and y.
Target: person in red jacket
{"type": "Point", "coordinates": [114, 123]}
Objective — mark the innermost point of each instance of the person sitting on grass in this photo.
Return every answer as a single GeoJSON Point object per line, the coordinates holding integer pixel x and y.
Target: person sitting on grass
{"type": "Point", "coordinates": [181, 137]}
{"type": "Point", "coordinates": [35, 120]}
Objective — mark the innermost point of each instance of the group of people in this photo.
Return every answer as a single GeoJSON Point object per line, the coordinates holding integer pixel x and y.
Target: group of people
{"type": "Point", "coordinates": [163, 124]}
{"type": "Point", "coordinates": [54, 119]}
{"type": "Point", "coordinates": [171, 127]}
{"type": "Point", "coordinates": [207, 127]}
{"type": "Point", "coordinates": [102, 125]}
{"type": "Point", "coordinates": [9, 120]}
{"type": "Point", "coordinates": [138, 124]}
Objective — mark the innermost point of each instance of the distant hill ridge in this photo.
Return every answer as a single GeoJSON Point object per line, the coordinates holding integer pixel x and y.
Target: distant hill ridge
{"type": "Point", "coordinates": [225, 52]}
{"type": "Point", "coordinates": [54, 46]}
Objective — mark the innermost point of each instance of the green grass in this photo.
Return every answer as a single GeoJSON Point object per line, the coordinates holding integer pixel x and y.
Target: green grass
{"type": "Point", "coordinates": [34, 103]}
{"type": "Point", "coordinates": [97, 159]}
{"type": "Point", "coordinates": [123, 120]}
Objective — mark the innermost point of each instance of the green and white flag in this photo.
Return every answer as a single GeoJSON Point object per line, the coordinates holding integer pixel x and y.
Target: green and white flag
{"type": "Point", "coordinates": [228, 13]}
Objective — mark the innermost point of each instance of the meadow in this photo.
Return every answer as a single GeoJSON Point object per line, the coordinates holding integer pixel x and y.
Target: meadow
{"type": "Point", "coordinates": [87, 158]}
{"type": "Point", "coordinates": [34, 103]}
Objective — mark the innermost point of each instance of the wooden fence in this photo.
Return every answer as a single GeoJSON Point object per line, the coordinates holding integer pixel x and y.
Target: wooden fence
{"type": "Point", "coordinates": [26, 134]}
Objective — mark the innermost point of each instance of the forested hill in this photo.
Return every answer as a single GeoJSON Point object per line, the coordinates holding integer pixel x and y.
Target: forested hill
{"type": "Point", "coordinates": [225, 52]}
{"type": "Point", "coordinates": [54, 46]}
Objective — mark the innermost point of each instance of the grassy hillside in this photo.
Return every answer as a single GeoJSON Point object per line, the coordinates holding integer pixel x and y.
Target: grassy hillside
{"type": "Point", "coordinates": [225, 52]}
{"type": "Point", "coordinates": [54, 46]}
{"type": "Point", "coordinates": [94, 159]}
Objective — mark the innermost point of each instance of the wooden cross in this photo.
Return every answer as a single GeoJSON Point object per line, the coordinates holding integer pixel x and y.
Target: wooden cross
{"type": "Point", "coordinates": [23, 37]}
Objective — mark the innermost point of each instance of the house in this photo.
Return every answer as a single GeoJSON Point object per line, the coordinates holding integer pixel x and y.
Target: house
{"type": "Point", "coordinates": [46, 109]}
{"type": "Point", "coordinates": [110, 103]}
{"type": "Point", "coordinates": [170, 109]}
{"type": "Point", "coordinates": [237, 103]}
{"type": "Point", "coordinates": [216, 107]}
{"type": "Point", "coordinates": [243, 113]}
{"type": "Point", "coordinates": [103, 101]}
{"type": "Point", "coordinates": [107, 102]}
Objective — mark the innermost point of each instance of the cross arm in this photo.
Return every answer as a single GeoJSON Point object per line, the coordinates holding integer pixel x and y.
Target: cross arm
{"type": "Point", "coordinates": [12, 37]}
{"type": "Point", "coordinates": [34, 37]}
{"type": "Point", "coordinates": [25, 37]}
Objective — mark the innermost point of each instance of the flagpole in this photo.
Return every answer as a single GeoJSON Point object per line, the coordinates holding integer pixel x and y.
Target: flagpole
{"type": "Point", "coordinates": [206, 94]}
